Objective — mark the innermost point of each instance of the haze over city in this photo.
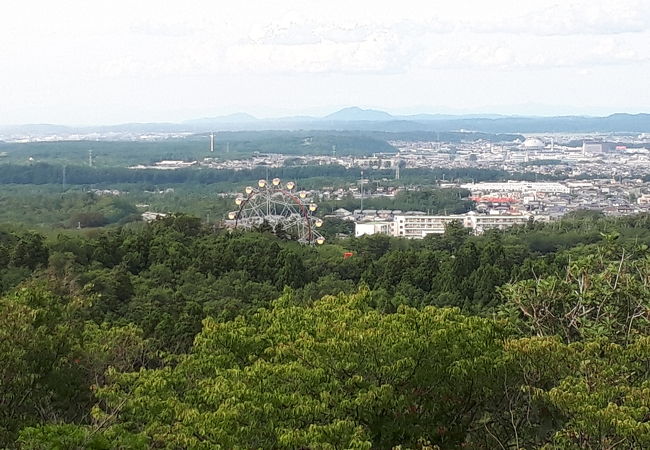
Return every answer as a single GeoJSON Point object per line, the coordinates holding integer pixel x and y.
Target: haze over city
{"type": "Point", "coordinates": [79, 62]}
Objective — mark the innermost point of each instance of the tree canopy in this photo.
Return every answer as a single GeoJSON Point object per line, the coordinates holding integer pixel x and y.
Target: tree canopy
{"type": "Point", "coordinates": [179, 335]}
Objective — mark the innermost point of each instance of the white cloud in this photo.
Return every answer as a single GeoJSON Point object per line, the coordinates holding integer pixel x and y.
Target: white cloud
{"type": "Point", "coordinates": [72, 46]}
{"type": "Point", "coordinates": [567, 18]}
{"type": "Point", "coordinates": [155, 38]}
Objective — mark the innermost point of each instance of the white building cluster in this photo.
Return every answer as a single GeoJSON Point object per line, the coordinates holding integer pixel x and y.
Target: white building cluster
{"type": "Point", "coordinates": [523, 187]}
{"type": "Point", "coordinates": [417, 226]}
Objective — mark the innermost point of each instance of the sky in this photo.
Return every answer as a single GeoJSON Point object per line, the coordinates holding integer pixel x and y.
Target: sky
{"type": "Point", "coordinates": [104, 62]}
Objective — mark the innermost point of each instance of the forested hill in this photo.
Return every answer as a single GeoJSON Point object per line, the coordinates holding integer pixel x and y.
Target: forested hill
{"type": "Point", "coordinates": [45, 173]}
{"type": "Point", "coordinates": [227, 145]}
{"type": "Point", "coordinates": [175, 335]}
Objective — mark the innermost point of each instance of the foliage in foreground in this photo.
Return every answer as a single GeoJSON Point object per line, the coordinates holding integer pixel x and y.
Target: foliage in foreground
{"type": "Point", "coordinates": [103, 345]}
{"type": "Point", "coordinates": [340, 374]}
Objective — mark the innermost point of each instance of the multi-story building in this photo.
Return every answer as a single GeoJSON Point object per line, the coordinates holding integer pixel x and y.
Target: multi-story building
{"type": "Point", "coordinates": [481, 223]}
{"type": "Point", "coordinates": [418, 226]}
{"type": "Point", "coordinates": [369, 228]}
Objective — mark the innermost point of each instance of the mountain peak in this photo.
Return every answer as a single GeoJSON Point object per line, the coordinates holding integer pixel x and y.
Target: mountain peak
{"type": "Point", "coordinates": [354, 113]}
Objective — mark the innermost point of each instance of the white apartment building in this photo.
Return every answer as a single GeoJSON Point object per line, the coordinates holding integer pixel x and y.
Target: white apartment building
{"type": "Point", "coordinates": [481, 223]}
{"type": "Point", "coordinates": [418, 226]}
{"type": "Point", "coordinates": [369, 228]}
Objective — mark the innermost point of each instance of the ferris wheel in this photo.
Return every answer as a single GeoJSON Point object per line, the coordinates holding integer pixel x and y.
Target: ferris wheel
{"type": "Point", "coordinates": [277, 205]}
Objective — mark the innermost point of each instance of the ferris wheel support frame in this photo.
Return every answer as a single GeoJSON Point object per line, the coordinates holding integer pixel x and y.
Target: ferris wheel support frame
{"type": "Point", "coordinates": [277, 207]}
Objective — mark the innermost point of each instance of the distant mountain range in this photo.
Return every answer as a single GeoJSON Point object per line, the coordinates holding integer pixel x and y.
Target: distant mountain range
{"type": "Point", "coordinates": [355, 118]}
{"type": "Point", "coordinates": [350, 114]}
{"type": "Point", "coordinates": [355, 113]}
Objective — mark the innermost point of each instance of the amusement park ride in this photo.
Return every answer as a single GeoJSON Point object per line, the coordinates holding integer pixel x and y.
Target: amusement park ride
{"type": "Point", "coordinates": [278, 205]}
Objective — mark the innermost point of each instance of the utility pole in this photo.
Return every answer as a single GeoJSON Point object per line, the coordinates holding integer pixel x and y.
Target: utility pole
{"type": "Point", "coordinates": [362, 191]}
{"type": "Point", "coordinates": [211, 142]}
{"type": "Point", "coordinates": [90, 158]}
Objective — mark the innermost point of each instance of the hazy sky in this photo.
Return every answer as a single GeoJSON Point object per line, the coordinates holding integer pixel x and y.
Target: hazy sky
{"type": "Point", "coordinates": [82, 62]}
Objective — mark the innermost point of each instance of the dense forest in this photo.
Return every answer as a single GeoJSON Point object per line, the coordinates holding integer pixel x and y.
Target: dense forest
{"type": "Point", "coordinates": [44, 173]}
{"type": "Point", "coordinates": [229, 145]}
{"type": "Point", "coordinates": [175, 334]}
{"type": "Point", "coordinates": [49, 209]}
